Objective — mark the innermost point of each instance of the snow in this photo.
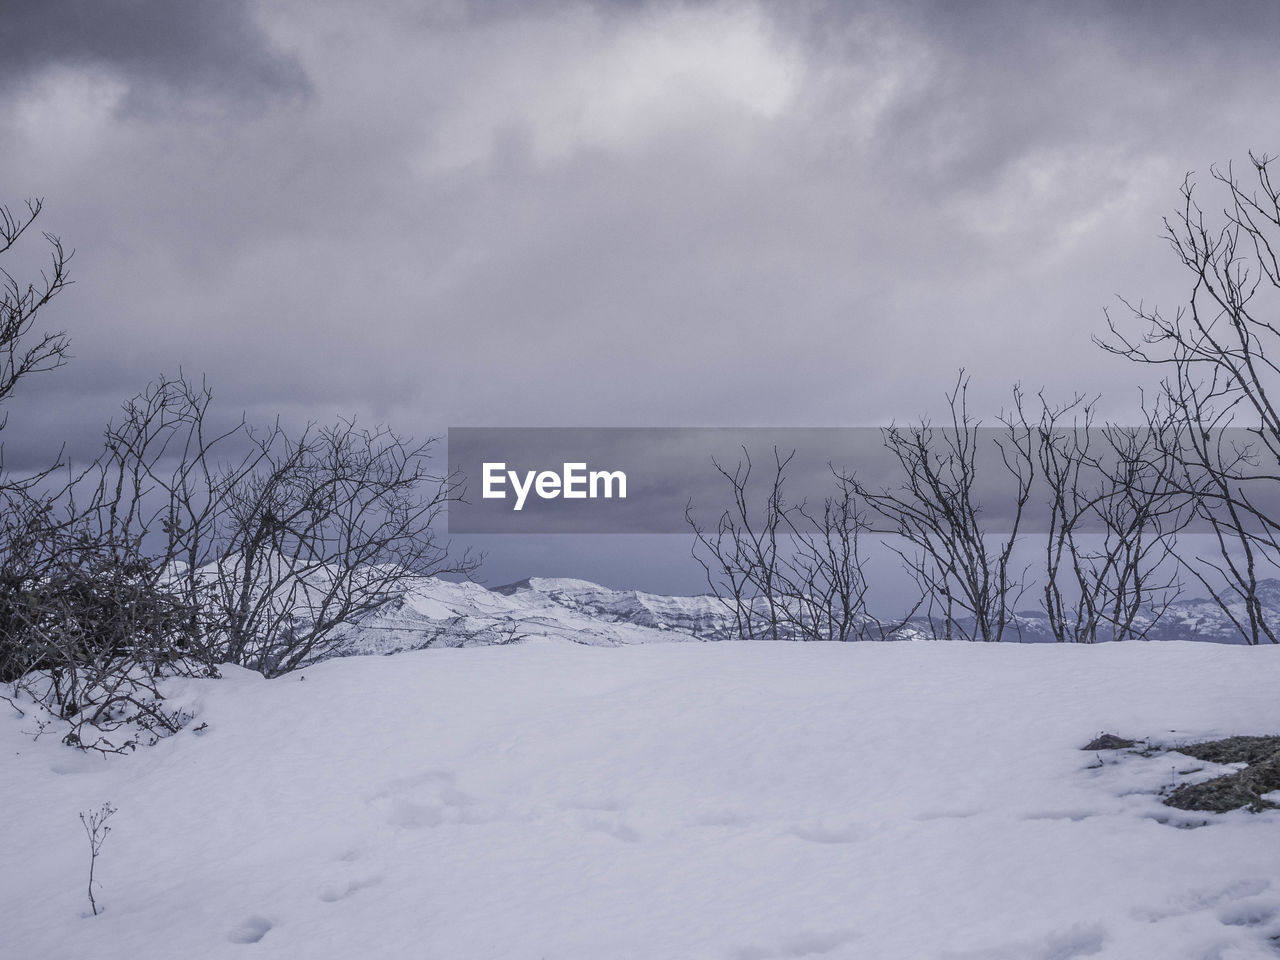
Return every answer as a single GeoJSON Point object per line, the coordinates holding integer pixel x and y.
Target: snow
{"type": "Point", "coordinates": [433, 613]}
{"type": "Point", "coordinates": [667, 801]}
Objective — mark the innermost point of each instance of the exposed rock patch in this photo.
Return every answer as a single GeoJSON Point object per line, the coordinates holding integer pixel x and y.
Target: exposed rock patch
{"type": "Point", "coordinates": [1109, 741]}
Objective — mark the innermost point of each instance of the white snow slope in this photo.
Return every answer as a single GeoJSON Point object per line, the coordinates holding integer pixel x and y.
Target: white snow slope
{"type": "Point", "coordinates": [552, 801]}
{"type": "Point", "coordinates": [437, 613]}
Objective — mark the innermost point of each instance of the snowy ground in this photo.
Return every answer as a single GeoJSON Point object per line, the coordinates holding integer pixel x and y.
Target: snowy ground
{"type": "Point", "coordinates": [672, 801]}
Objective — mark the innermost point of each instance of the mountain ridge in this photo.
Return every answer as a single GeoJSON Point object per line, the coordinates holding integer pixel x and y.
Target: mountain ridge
{"type": "Point", "coordinates": [430, 612]}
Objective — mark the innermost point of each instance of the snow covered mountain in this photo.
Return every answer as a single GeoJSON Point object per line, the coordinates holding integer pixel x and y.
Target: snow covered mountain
{"type": "Point", "coordinates": [702, 617]}
{"type": "Point", "coordinates": [438, 613]}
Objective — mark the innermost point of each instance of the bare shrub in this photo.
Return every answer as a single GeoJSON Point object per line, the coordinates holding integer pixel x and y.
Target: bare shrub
{"type": "Point", "coordinates": [785, 570]}
{"type": "Point", "coordinates": [960, 563]}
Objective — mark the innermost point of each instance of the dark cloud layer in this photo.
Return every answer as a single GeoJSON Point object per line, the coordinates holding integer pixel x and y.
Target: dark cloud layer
{"type": "Point", "coordinates": [204, 47]}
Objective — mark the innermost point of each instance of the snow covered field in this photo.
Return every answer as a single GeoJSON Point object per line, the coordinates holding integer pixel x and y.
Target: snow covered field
{"type": "Point", "coordinates": [553, 801]}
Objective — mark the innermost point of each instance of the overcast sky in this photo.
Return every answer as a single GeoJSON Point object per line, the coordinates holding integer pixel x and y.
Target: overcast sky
{"type": "Point", "coordinates": [648, 214]}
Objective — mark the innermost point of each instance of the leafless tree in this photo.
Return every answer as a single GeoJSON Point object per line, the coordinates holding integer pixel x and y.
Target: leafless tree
{"type": "Point", "coordinates": [1220, 352]}
{"type": "Point", "coordinates": [1142, 511]}
{"type": "Point", "coordinates": [274, 542]}
{"type": "Point", "coordinates": [97, 608]}
{"type": "Point", "coordinates": [825, 581]}
{"type": "Point", "coordinates": [89, 627]}
{"type": "Point", "coordinates": [784, 570]}
{"type": "Point", "coordinates": [24, 351]}
{"type": "Point", "coordinates": [1115, 508]}
{"type": "Point", "coordinates": [741, 558]}
{"type": "Point", "coordinates": [328, 528]}
{"type": "Point", "coordinates": [69, 602]}
{"type": "Point", "coordinates": [187, 543]}
{"type": "Point", "coordinates": [961, 567]}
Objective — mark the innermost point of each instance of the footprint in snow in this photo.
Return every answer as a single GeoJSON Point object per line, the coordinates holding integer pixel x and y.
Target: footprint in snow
{"type": "Point", "coordinates": [1223, 899]}
{"type": "Point", "coordinates": [250, 930]}
{"type": "Point", "coordinates": [1253, 912]}
{"type": "Point", "coordinates": [340, 891]}
{"type": "Point", "coordinates": [613, 828]}
{"type": "Point", "coordinates": [427, 799]}
{"type": "Point", "coordinates": [406, 813]}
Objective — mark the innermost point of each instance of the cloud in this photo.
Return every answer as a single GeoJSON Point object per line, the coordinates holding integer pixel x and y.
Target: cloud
{"type": "Point", "coordinates": [572, 213]}
{"type": "Point", "coordinates": [162, 50]}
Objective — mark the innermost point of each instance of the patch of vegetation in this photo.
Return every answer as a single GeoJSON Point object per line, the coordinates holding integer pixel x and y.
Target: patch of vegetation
{"type": "Point", "coordinates": [1244, 788]}
{"type": "Point", "coordinates": [1234, 749]}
